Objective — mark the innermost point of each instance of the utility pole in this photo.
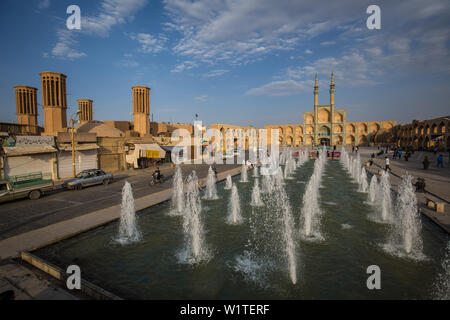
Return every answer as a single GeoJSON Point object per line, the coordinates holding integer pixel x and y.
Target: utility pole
{"type": "Point", "coordinates": [72, 121]}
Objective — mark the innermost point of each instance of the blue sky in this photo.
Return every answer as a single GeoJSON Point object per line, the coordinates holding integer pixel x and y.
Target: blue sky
{"type": "Point", "coordinates": [243, 62]}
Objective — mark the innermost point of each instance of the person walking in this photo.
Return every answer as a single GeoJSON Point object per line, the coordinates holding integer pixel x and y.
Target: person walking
{"type": "Point", "coordinates": [440, 161]}
{"type": "Point", "coordinates": [386, 161]}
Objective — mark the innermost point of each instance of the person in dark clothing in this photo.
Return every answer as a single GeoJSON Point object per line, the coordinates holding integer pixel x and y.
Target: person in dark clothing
{"type": "Point", "coordinates": [440, 161]}
{"type": "Point", "coordinates": [157, 174]}
{"type": "Point", "coordinates": [420, 185]}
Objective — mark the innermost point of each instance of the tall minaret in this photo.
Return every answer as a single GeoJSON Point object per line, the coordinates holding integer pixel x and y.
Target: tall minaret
{"type": "Point", "coordinates": [316, 93]}
{"type": "Point", "coordinates": [332, 91]}
{"type": "Point", "coordinates": [332, 141]}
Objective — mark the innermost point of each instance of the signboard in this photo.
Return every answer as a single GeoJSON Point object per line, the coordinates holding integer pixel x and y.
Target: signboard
{"type": "Point", "coordinates": [151, 154]}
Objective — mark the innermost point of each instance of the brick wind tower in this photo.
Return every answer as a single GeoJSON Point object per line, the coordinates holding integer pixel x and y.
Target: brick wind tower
{"type": "Point", "coordinates": [141, 109]}
{"type": "Point", "coordinates": [85, 106]}
{"type": "Point", "coordinates": [26, 105]}
{"type": "Point", "coordinates": [54, 102]}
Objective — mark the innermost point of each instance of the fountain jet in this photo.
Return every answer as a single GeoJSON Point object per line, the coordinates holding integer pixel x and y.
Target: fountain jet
{"type": "Point", "coordinates": [256, 195]}
{"type": "Point", "coordinates": [128, 230]}
{"type": "Point", "coordinates": [177, 194]}
{"type": "Point", "coordinates": [229, 183]}
{"type": "Point", "coordinates": [211, 191]}
{"type": "Point", "coordinates": [234, 207]}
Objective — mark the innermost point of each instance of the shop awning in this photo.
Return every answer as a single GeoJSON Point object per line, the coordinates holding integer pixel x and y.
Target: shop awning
{"type": "Point", "coordinates": [152, 150]}
{"type": "Point", "coordinates": [79, 147]}
{"type": "Point", "coordinates": [24, 150]}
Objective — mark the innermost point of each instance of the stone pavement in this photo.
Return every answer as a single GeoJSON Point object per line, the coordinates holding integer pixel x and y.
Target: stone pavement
{"type": "Point", "coordinates": [31, 285]}
{"type": "Point", "coordinates": [437, 180]}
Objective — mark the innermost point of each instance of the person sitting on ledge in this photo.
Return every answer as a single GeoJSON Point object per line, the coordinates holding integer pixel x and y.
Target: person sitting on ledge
{"type": "Point", "coordinates": [420, 185]}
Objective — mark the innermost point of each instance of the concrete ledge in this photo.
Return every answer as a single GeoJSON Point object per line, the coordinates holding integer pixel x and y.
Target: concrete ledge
{"type": "Point", "coordinates": [88, 288]}
{"type": "Point", "coordinates": [33, 240]}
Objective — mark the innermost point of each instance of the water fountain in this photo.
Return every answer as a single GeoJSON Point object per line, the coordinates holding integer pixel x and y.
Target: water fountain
{"type": "Point", "coordinates": [228, 183]}
{"type": "Point", "coordinates": [263, 256]}
{"type": "Point", "coordinates": [385, 202]}
{"type": "Point", "coordinates": [244, 173]}
{"type": "Point", "coordinates": [441, 289]}
{"type": "Point", "coordinates": [195, 250]}
{"type": "Point", "coordinates": [177, 194]}
{"type": "Point", "coordinates": [373, 188]}
{"type": "Point", "coordinates": [128, 230]}
{"type": "Point", "coordinates": [280, 205]}
{"type": "Point", "coordinates": [406, 236]}
{"type": "Point", "coordinates": [363, 185]}
{"type": "Point", "coordinates": [255, 172]}
{"type": "Point", "coordinates": [310, 217]}
{"type": "Point", "coordinates": [210, 190]}
{"type": "Point", "coordinates": [234, 207]}
{"type": "Point", "coordinates": [256, 195]}
{"type": "Point", "coordinates": [267, 184]}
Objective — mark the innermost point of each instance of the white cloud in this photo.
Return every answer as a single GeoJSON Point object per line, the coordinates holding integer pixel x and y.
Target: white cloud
{"type": "Point", "coordinates": [202, 98]}
{"type": "Point", "coordinates": [149, 44]}
{"type": "Point", "coordinates": [307, 51]}
{"type": "Point", "coordinates": [111, 13]}
{"type": "Point", "coordinates": [242, 31]}
{"type": "Point", "coordinates": [186, 65]}
{"type": "Point", "coordinates": [281, 88]}
{"type": "Point", "coordinates": [127, 63]}
{"type": "Point", "coordinates": [43, 4]}
{"type": "Point", "coordinates": [350, 70]}
{"type": "Point", "coordinates": [64, 47]}
{"type": "Point", "coordinates": [215, 73]}
{"type": "Point", "coordinates": [327, 43]}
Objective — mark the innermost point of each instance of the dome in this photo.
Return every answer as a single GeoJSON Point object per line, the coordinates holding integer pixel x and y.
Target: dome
{"type": "Point", "coordinates": [101, 129]}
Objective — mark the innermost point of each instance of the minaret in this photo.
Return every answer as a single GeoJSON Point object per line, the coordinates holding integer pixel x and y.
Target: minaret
{"type": "Point", "coordinates": [332, 91]}
{"type": "Point", "coordinates": [54, 102]}
{"type": "Point", "coordinates": [332, 140]}
{"type": "Point", "coordinates": [316, 93]}
{"type": "Point", "coordinates": [85, 106]}
{"type": "Point", "coordinates": [141, 109]}
{"type": "Point", "coordinates": [26, 105]}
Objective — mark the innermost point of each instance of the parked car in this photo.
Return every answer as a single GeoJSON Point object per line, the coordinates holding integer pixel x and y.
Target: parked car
{"type": "Point", "coordinates": [33, 189]}
{"type": "Point", "coordinates": [88, 178]}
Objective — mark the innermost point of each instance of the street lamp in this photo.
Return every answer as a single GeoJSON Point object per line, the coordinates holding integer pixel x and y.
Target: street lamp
{"type": "Point", "coordinates": [72, 122]}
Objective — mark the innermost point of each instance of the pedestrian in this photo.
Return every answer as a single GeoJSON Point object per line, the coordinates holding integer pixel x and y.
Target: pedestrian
{"type": "Point", "coordinates": [386, 160]}
{"type": "Point", "coordinates": [440, 161]}
{"type": "Point", "coordinates": [400, 152]}
{"type": "Point", "coordinates": [353, 149]}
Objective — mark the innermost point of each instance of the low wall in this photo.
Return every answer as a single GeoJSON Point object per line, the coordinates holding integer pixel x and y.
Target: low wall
{"type": "Point", "coordinates": [87, 288]}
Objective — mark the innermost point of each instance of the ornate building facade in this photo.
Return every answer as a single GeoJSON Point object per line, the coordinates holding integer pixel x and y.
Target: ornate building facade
{"type": "Point", "coordinates": [422, 134]}
{"type": "Point", "coordinates": [328, 125]}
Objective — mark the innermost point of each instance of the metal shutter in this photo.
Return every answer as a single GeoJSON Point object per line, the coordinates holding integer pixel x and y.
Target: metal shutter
{"type": "Point", "coordinates": [41, 162]}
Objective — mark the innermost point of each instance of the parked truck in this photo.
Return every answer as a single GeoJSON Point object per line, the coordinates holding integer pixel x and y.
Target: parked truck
{"type": "Point", "coordinates": [31, 186]}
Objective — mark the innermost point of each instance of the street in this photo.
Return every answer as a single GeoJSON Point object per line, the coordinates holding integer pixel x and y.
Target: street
{"type": "Point", "coordinates": [21, 216]}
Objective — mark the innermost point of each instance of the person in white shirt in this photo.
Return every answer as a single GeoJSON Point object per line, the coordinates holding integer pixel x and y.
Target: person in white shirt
{"type": "Point", "coordinates": [387, 164]}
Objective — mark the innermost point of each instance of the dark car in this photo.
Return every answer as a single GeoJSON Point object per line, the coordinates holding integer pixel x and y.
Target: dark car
{"type": "Point", "coordinates": [88, 178]}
